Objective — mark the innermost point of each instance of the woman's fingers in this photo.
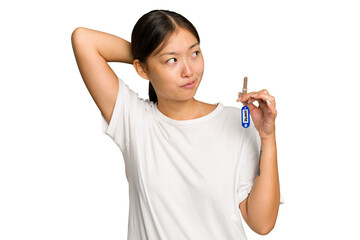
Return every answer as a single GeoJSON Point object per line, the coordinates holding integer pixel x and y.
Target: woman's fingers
{"type": "Point", "coordinates": [245, 97]}
{"type": "Point", "coordinates": [263, 95]}
{"type": "Point", "coordinates": [266, 102]}
{"type": "Point", "coordinates": [268, 105]}
{"type": "Point", "coordinates": [266, 97]}
{"type": "Point", "coordinates": [251, 106]}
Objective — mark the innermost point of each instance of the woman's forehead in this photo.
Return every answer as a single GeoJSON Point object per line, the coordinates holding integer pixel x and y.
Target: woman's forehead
{"type": "Point", "coordinates": [179, 40]}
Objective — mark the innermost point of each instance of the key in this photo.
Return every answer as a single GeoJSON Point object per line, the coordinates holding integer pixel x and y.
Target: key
{"type": "Point", "coordinates": [245, 111]}
{"type": "Point", "coordinates": [244, 90]}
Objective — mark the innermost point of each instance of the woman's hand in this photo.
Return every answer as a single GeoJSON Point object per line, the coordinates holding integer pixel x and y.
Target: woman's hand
{"type": "Point", "coordinates": [264, 115]}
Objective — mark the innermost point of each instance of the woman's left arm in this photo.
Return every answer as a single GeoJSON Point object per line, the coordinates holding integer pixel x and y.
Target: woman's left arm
{"type": "Point", "coordinates": [260, 208]}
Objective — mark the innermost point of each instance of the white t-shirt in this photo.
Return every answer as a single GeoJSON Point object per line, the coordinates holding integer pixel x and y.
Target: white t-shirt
{"type": "Point", "coordinates": [186, 177]}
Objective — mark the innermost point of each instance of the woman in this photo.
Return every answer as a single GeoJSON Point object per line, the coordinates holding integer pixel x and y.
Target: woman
{"type": "Point", "coordinates": [191, 166]}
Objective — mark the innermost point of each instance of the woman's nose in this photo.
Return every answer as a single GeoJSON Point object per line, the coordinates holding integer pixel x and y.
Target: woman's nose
{"type": "Point", "coordinates": [186, 70]}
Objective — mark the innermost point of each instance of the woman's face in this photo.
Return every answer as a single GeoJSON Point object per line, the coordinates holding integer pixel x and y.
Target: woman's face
{"type": "Point", "coordinates": [178, 63]}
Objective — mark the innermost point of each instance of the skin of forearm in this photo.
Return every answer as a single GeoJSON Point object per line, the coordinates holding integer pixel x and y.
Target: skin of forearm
{"type": "Point", "coordinates": [263, 201]}
{"type": "Point", "coordinates": [110, 47]}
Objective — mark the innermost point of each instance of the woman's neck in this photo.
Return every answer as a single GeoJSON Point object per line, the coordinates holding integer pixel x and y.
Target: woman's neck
{"type": "Point", "coordinates": [183, 110]}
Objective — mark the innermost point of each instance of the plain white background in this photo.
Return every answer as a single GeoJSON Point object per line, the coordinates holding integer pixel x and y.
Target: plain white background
{"type": "Point", "coordinates": [62, 178]}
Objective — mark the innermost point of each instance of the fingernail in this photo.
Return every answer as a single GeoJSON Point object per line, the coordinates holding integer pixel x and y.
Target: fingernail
{"type": "Point", "coordinates": [268, 101]}
{"type": "Point", "coordinates": [254, 95]}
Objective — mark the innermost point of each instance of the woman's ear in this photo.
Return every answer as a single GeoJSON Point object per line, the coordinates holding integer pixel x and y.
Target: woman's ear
{"type": "Point", "coordinates": [140, 69]}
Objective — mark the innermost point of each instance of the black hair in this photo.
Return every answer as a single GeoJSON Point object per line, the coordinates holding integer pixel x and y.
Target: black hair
{"type": "Point", "coordinates": [152, 31]}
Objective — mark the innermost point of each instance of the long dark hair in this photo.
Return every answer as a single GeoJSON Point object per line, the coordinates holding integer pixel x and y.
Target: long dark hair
{"type": "Point", "coordinates": [152, 30]}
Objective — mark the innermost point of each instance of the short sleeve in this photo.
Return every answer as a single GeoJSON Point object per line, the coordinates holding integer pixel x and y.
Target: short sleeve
{"type": "Point", "coordinates": [248, 157]}
{"type": "Point", "coordinates": [128, 109]}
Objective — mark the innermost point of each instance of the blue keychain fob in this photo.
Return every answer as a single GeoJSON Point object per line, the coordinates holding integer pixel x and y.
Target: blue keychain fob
{"type": "Point", "coordinates": [245, 116]}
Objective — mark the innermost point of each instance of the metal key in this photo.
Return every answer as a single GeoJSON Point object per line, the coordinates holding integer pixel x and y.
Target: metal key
{"type": "Point", "coordinates": [245, 111]}
{"type": "Point", "coordinates": [244, 90]}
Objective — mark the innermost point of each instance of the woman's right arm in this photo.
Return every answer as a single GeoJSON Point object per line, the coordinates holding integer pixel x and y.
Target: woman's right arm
{"type": "Point", "coordinates": [93, 49]}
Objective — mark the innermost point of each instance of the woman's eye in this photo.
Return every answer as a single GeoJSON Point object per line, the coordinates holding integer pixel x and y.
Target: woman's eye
{"type": "Point", "coordinates": [196, 53]}
{"type": "Point", "coordinates": [171, 60]}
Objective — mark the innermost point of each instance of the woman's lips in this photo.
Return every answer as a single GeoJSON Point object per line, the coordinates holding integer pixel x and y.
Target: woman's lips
{"type": "Point", "coordinates": [189, 85]}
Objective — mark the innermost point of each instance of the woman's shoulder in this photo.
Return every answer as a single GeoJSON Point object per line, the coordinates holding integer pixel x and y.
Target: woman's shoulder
{"type": "Point", "coordinates": [208, 108]}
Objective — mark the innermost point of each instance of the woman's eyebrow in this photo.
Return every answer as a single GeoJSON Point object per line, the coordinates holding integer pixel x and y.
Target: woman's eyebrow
{"type": "Point", "coordinates": [175, 53]}
{"type": "Point", "coordinates": [194, 45]}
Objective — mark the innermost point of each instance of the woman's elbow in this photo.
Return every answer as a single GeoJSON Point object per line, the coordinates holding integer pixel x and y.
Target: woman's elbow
{"type": "Point", "coordinates": [265, 229]}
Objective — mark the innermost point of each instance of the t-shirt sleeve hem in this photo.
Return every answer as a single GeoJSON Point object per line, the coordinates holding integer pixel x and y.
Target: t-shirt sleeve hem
{"type": "Point", "coordinates": [242, 195]}
{"type": "Point", "coordinates": [110, 128]}
{"type": "Point", "coordinates": [281, 199]}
